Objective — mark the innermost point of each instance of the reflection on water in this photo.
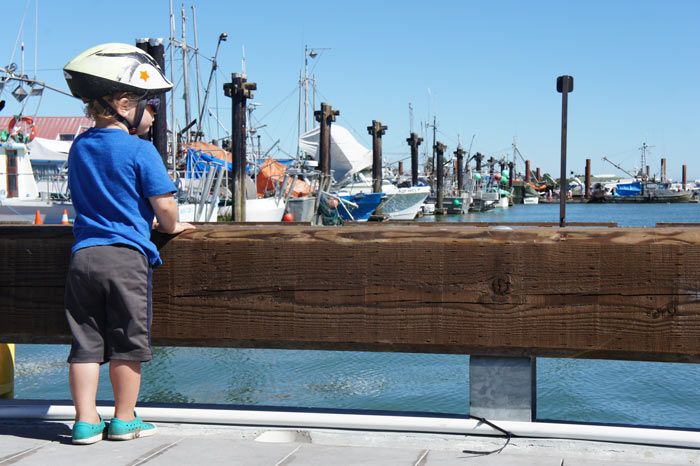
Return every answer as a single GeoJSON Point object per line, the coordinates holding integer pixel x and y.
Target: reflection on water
{"type": "Point", "coordinates": [578, 390]}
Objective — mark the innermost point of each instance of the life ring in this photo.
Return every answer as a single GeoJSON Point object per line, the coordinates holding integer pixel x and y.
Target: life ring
{"type": "Point", "coordinates": [17, 135]}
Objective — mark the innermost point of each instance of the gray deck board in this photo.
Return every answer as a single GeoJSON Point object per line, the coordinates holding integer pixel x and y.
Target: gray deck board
{"type": "Point", "coordinates": [32, 443]}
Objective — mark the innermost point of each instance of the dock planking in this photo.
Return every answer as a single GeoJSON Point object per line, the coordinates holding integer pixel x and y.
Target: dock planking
{"type": "Point", "coordinates": [609, 293]}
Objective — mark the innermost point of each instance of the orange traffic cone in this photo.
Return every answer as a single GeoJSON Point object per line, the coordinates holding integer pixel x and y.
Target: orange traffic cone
{"type": "Point", "coordinates": [64, 218]}
{"type": "Point", "coordinates": [37, 218]}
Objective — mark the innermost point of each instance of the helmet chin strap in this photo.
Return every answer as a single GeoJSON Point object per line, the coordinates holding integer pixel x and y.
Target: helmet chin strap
{"type": "Point", "coordinates": [132, 127]}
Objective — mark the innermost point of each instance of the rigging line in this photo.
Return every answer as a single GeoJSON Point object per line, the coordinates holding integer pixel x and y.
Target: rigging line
{"type": "Point", "coordinates": [21, 30]}
{"type": "Point", "coordinates": [36, 35]}
{"type": "Point", "coordinates": [345, 120]}
{"type": "Point", "coordinates": [279, 103]}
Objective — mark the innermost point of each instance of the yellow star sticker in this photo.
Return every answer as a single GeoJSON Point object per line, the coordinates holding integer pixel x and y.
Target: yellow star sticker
{"type": "Point", "coordinates": [144, 75]}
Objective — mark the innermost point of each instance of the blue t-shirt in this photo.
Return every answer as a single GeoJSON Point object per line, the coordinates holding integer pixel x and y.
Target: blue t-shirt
{"type": "Point", "coordinates": [111, 175]}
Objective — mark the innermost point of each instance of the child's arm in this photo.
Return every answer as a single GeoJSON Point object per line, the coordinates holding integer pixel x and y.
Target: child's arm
{"type": "Point", "coordinates": [165, 208]}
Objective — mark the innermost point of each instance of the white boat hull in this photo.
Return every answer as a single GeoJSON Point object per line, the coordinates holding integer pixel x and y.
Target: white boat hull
{"type": "Point", "coordinates": [267, 209]}
{"type": "Point", "coordinates": [405, 203]}
{"type": "Point", "coordinates": [531, 200]}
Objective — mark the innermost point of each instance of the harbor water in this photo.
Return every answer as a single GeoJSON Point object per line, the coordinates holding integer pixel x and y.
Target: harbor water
{"type": "Point", "coordinates": [629, 392]}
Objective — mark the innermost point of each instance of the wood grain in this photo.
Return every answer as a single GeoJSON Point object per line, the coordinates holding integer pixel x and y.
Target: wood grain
{"type": "Point", "coordinates": [578, 292]}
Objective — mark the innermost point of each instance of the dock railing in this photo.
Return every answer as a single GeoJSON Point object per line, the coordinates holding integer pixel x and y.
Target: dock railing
{"type": "Point", "coordinates": [504, 296]}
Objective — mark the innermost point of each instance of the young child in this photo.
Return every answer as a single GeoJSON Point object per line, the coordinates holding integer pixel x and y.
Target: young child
{"type": "Point", "coordinates": [117, 183]}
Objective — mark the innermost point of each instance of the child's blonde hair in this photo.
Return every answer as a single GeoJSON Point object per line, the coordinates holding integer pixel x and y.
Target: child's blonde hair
{"type": "Point", "coordinates": [95, 111]}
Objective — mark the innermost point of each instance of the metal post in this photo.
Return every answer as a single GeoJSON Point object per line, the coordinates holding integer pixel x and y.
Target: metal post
{"type": "Point", "coordinates": [459, 157]}
{"type": "Point", "coordinates": [503, 388]}
{"type": "Point", "coordinates": [325, 117]}
{"type": "Point", "coordinates": [565, 84]}
{"type": "Point", "coordinates": [240, 91]}
{"type": "Point", "coordinates": [376, 131]}
{"type": "Point", "coordinates": [414, 141]}
{"type": "Point", "coordinates": [440, 173]}
{"type": "Point", "coordinates": [588, 178]}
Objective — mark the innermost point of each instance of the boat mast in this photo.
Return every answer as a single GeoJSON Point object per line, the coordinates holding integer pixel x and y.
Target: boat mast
{"type": "Point", "coordinates": [196, 67]}
{"type": "Point", "coordinates": [173, 132]}
{"type": "Point", "coordinates": [185, 70]}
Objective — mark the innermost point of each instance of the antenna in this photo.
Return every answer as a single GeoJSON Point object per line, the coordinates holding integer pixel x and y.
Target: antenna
{"type": "Point", "coordinates": [243, 62]}
{"type": "Point", "coordinates": [410, 117]}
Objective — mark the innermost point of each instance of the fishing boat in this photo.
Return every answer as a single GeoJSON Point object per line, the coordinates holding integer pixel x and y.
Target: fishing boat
{"type": "Point", "coordinates": [639, 188]}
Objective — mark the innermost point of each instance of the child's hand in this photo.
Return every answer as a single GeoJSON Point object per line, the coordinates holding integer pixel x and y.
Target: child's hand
{"type": "Point", "coordinates": [179, 228]}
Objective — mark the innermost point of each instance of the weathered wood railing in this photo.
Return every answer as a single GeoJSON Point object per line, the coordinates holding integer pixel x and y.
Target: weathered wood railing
{"type": "Point", "coordinates": [586, 293]}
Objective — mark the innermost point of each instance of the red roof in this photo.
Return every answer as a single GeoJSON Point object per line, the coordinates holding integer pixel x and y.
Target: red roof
{"type": "Point", "coordinates": [51, 127]}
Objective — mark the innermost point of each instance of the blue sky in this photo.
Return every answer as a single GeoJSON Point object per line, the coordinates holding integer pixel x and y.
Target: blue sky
{"type": "Point", "coordinates": [486, 69]}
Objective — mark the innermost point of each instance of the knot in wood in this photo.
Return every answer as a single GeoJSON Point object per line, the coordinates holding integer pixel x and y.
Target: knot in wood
{"type": "Point", "coordinates": [502, 285]}
{"type": "Point", "coordinates": [668, 310]}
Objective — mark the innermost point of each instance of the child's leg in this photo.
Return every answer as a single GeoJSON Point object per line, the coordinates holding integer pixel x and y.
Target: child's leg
{"type": "Point", "coordinates": [83, 379]}
{"type": "Point", "coordinates": [126, 381]}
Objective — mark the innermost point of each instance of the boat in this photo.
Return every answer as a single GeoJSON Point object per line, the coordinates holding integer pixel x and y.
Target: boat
{"type": "Point", "coordinates": [640, 188]}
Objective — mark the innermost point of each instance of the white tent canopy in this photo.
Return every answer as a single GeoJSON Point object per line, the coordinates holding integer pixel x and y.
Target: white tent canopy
{"type": "Point", "coordinates": [347, 155]}
{"type": "Point", "coordinates": [49, 150]}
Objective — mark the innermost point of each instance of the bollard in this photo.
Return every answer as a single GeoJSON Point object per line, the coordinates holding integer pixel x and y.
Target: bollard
{"type": "Point", "coordinates": [7, 370]}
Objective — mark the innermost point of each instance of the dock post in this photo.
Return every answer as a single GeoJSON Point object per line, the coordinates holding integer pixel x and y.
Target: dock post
{"type": "Point", "coordinates": [240, 91]}
{"type": "Point", "coordinates": [511, 174]}
{"type": "Point", "coordinates": [538, 174]}
{"type": "Point", "coordinates": [459, 158]}
{"type": "Point", "coordinates": [440, 175]}
{"type": "Point", "coordinates": [684, 177]}
{"type": "Point", "coordinates": [414, 141]}
{"type": "Point", "coordinates": [400, 169]}
{"type": "Point", "coordinates": [588, 179]}
{"type": "Point", "coordinates": [325, 117]}
{"type": "Point", "coordinates": [527, 171]}
{"type": "Point", "coordinates": [377, 131]}
{"type": "Point", "coordinates": [159, 130]}
{"type": "Point", "coordinates": [565, 84]}
{"type": "Point", "coordinates": [7, 370]}
{"type": "Point", "coordinates": [478, 157]}
{"type": "Point", "coordinates": [663, 170]}
{"type": "Point", "coordinates": [503, 388]}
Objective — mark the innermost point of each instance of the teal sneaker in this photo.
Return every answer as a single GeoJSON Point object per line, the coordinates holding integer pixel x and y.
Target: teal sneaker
{"type": "Point", "coordinates": [127, 430]}
{"type": "Point", "coordinates": [85, 433]}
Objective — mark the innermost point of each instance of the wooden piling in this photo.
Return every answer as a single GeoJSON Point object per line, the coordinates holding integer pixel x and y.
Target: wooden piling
{"type": "Point", "coordinates": [663, 170]}
{"type": "Point", "coordinates": [478, 157]}
{"type": "Point", "coordinates": [414, 141]}
{"type": "Point", "coordinates": [240, 91]}
{"type": "Point", "coordinates": [400, 169]}
{"type": "Point", "coordinates": [459, 162]}
{"type": "Point", "coordinates": [684, 177]}
{"type": "Point", "coordinates": [376, 130]}
{"type": "Point", "coordinates": [511, 174]}
{"type": "Point", "coordinates": [325, 117]}
{"type": "Point", "coordinates": [440, 174]}
{"type": "Point", "coordinates": [588, 179]}
{"type": "Point", "coordinates": [538, 174]}
{"type": "Point", "coordinates": [159, 130]}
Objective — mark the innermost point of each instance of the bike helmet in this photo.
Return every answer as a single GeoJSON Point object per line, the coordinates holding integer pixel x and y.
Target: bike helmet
{"type": "Point", "coordinates": [102, 70]}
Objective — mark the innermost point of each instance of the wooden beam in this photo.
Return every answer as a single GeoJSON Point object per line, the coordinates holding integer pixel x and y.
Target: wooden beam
{"type": "Point", "coordinates": [588, 293]}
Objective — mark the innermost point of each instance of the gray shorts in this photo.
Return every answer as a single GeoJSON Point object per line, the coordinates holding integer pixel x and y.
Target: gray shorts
{"type": "Point", "coordinates": [108, 304]}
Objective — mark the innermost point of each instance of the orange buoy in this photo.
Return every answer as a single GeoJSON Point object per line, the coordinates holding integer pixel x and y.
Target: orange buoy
{"type": "Point", "coordinates": [37, 218]}
{"type": "Point", "coordinates": [64, 218]}
{"type": "Point", "coordinates": [288, 217]}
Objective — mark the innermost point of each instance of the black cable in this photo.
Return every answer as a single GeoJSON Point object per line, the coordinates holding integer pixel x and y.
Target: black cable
{"type": "Point", "coordinates": [508, 435]}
